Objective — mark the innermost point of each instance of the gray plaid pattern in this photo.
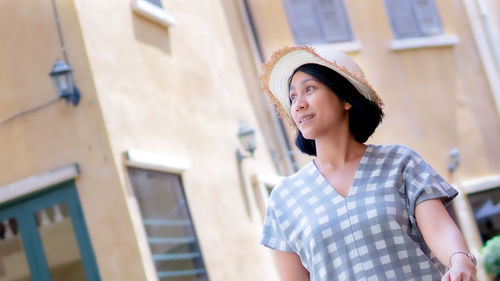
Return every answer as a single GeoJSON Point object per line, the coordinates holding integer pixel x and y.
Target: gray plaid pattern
{"type": "Point", "coordinates": [369, 235]}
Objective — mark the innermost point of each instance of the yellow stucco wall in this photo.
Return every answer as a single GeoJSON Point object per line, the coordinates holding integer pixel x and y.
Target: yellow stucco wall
{"type": "Point", "coordinates": [249, 59]}
{"type": "Point", "coordinates": [435, 98]}
{"type": "Point", "coordinates": [184, 90]}
{"type": "Point", "coordinates": [61, 134]}
{"type": "Point", "coordinates": [178, 91]}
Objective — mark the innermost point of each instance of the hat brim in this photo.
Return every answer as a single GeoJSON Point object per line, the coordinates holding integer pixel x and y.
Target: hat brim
{"type": "Point", "coordinates": [279, 69]}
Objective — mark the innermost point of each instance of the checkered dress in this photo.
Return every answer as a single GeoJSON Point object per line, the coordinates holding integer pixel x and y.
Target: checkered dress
{"type": "Point", "coordinates": [369, 235]}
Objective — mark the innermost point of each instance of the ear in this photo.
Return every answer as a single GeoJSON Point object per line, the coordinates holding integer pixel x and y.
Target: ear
{"type": "Point", "coordinates": [347, 106]}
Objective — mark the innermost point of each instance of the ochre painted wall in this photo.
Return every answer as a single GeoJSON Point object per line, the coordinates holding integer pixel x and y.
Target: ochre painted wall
{"type": "Point", "coordinates": [60, 134]}
{"type": "Point", "coordinates": [184, 90]}
{"type": "Point", "coordinates": [179, 91]}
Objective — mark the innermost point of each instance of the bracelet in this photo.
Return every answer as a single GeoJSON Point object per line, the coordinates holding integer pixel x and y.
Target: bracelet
{"type": "Point", "coordinates": [471, 257]}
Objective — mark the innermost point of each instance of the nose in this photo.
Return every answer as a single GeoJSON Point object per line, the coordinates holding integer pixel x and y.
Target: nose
{"type": "Point", "coordinates": [300, 103]}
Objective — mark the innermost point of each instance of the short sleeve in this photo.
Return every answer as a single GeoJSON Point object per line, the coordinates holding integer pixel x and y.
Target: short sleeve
{"type": "Point", "coordinates": [272, 234]}
{"type": "Point", "coordinates": [424, 183]}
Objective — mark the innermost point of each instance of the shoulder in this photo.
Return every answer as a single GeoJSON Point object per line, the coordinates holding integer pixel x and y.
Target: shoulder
{"type": "Point", "coordinates": [391, 150]}
{"type": "Point", "coordinates": [393, 154]}
{"type": "Point", "coordinates": [288, 185]}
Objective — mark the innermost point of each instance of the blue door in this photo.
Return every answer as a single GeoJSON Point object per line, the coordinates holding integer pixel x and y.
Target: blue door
{"type": "Point", "coordinates": [44, 238]}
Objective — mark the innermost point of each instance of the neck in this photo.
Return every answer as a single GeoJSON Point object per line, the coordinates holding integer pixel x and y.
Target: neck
{"type": "Point", "coordinates": [335, 150]}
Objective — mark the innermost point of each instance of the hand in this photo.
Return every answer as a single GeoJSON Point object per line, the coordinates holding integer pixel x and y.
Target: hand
{"type": "Point", "coordinates": [461, 272]}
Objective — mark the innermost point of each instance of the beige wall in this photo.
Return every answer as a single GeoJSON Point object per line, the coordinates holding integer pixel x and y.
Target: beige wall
{"type": "Point", "coordinates": [435, 98]}
{"type": "Point", "coordinates": [184, 90]}
{"type": "Point", "coordinates": [178, 92]}
{"type": "Point", "coordinates": [249, 59]}
{"type": "Point", "coordinates": [61, 134]}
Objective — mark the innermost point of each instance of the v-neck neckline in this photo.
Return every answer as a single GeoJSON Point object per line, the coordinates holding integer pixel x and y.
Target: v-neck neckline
{"type": "Point", "coordinates": [353, 187]}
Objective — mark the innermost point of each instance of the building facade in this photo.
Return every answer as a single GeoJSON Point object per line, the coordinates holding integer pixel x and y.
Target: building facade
{"type": "Point", "coordinates": [141, 180]}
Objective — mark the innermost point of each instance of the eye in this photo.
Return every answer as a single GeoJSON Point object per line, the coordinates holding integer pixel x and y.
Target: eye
{"type": "Point", "coordinates": [292, 97]}
{"type": "Point", "coordinates": [309, 88]}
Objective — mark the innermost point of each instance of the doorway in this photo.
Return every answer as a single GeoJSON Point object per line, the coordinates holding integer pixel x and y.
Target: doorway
{"type": "Point", "coordinates": [44, 238]}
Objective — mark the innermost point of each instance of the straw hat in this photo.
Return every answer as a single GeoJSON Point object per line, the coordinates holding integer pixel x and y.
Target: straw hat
{"type": "Point", "coordinates": [283, 62]}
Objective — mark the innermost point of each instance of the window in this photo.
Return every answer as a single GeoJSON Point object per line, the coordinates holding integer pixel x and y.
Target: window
{"type": "Point", "coordinates": [154, 11]}
{"type": "Point", "coordinates": [155, 2]}
{"type": "Point", "coordinates": [262, 186]}
{"type": "Point", "coordinates": [44, 237]}
{"type": "Point", "coordinates": [413, 18]}
{"type": "Point", "coordinates": [318, 21]}
{"type": "Point", "coordinates": [169, 228]}
{"type": "Point", "coordinates": [486, 207]}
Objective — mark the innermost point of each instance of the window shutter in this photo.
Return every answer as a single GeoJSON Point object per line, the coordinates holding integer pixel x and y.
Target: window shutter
{"type": "Point", "coordinates": [334, 22]}
{"type": "Point", "coordinates": [169, 227]}
{"type": "Point", "coordinates": [302, 21]}
{"type": "Point", "coordinates": [402, 18]}
{"type": "Point", "coordinates": [427, 17]}
{"type": "Point", "coordinates": [155, 2]}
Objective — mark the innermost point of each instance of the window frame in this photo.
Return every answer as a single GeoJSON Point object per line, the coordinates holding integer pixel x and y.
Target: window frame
{"type": "Point", "coordinates": [319, 25]}
{"type": "Point", "coordinates": [153, 12]}
{"type": "Point", "coordinates": [262, 185]}
{"type": "Point", "coordinates": [38, 183]}
{"type": "Point", "coordinates": [417, 23]}
{"type": "Point", "coordinates": [475, 210]}
{"type": "Point", "coordinates": [156, 3]}
{"type": "Point", "coordinates": [464, 212]}
{"type": "Point", "coordinates": [161, 163]}
{"type": "Point", "coordinates": [24, 210]}
{"type": "Point", "coordinates": [420, 40]}
{"type": "Point", "coordinates": [445, 40]}
{"type": "Point", "coordinates": [481, 184]}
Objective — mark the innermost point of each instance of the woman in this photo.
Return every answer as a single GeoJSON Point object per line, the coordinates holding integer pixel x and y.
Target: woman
{"type": "Point", "coordinates": [356, 211]}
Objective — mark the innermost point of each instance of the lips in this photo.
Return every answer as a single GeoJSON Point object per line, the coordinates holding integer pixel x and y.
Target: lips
{"type": "Point", "coordinates": [305, 118]}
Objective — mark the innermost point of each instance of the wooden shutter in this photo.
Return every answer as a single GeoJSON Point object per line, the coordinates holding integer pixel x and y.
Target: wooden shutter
{"type": "Point", "coordinates": [402, 19]}
{"type": "Point", "coordinates": [333, 20]}
{"type": "Point", "coordinates": [427, 17]}
{"type": "Point", "coordinates": [302, 20]}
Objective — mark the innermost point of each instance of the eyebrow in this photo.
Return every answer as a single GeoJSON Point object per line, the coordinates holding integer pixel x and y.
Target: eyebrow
{"type": "Point", "coordinates": [301, 83]}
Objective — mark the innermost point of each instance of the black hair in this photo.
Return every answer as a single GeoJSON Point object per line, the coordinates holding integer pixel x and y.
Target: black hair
{"type": "Point", "coordinates": [364, 114]}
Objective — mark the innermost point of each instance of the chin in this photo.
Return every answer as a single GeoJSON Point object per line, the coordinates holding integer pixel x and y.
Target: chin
{"type": "Point", "coordinates": [308, 135]}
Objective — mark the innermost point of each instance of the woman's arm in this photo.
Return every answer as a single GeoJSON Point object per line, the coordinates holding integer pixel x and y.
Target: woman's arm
{"type": "Point", "coordinates": [290, 267]}
{"type": "Point", "coordinates": [443, 238]}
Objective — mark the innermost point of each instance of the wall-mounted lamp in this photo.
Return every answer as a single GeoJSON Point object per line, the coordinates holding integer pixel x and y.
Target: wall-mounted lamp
{"type": "Point", "coordinates": [246, 135]}
{"type": "Point", "coordinates": [62, 78]}
{"type": "Point", "coordinates": [454, 160]}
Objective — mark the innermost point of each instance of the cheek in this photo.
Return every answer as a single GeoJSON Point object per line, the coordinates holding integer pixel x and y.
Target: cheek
{"type": "Point", "coordinates": [293, 112]}
{"type": "Point", "coordinates": [334, 113]}
{"type": "Point", "coordinates": [294, 118]}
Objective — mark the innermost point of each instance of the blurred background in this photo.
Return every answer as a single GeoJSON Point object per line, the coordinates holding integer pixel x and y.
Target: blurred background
{"type": "Point", "coordinates": [136, 143]}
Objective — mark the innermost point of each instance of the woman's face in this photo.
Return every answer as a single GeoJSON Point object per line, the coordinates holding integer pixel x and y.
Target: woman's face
{"type": "Point", "coordinates": [315, 109]}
